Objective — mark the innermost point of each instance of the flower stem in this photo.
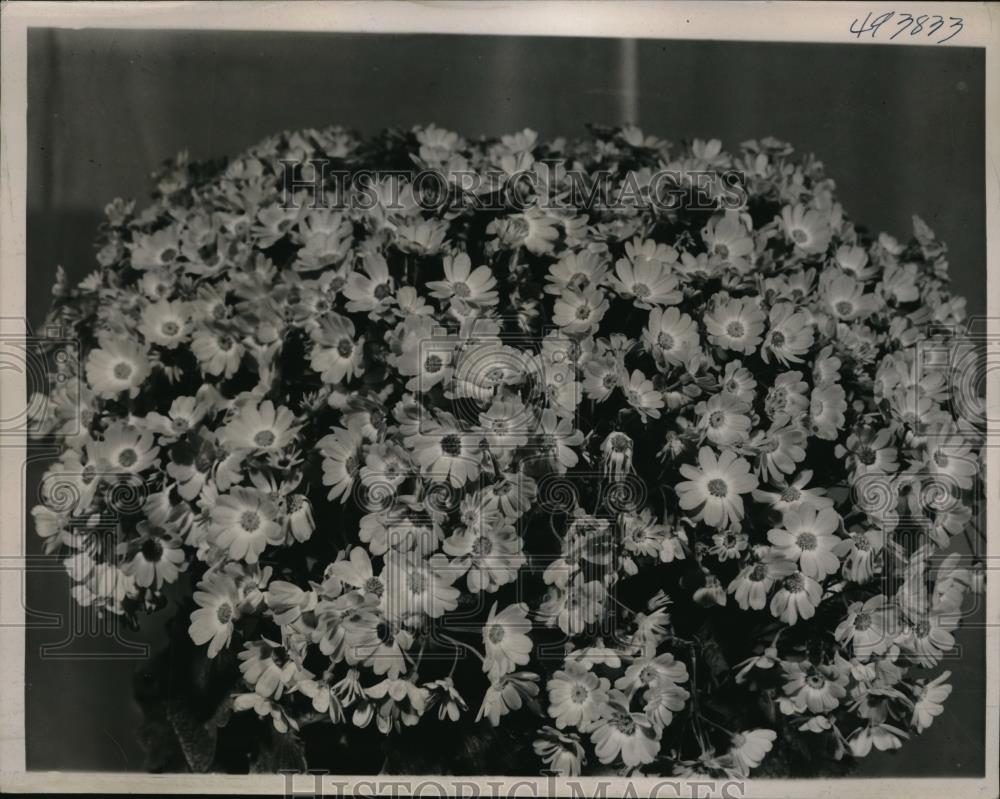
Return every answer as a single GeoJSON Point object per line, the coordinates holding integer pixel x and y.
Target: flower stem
{"type": "Point", "coordinates": [463, 645]}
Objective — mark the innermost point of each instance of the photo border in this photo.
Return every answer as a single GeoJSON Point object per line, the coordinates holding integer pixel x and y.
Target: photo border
{"type": "Point", "coordinates": [826, 22]}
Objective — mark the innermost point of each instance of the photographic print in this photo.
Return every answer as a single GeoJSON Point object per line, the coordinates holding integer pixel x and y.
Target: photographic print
{"type": "Point", "coordinates": [583, 405]}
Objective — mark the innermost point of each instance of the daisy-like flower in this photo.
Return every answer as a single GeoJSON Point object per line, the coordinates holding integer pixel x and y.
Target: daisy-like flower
{"type": "Point", "coordinates": [647, 284]}
{"type": "Point", "coordinates": [341, 451]}
{"type": "Point", "coordinates": [324, 698]}
{"type": "Point", "coordinates": [117, 365]}
{"type": "Point", "coordinates": [854, 260]}
{"type": "Point", "coordinates": [244, 522]}
{"type": "Point", "coordinates": [426, 358]}
{"type": "Point", "coordinates": [123, 449]}
{"type": "Point", "coordinates": [513, 494]}
{"type": "Point", "coordinates": [884, 737]}
{"type": "Point", "coordinates": [579, 313]}
{"type": "Point", "coordinates": [623, 733]}
{"type": "Point", "coordinates": [715, 487]}
{"type": "Point", "coordinates": [575, 271]}
{"type": "Point", "coordinates": [602, 375]}
{"type": "Point", "coordinates": [928, 698]}
{"type": "Point", "coordinates": [950, 457]}
{"type": "Point", "coordinates": [218, 352]}
{"type": "Point", "coordinates": [465, 285]}
{"type": "Point", "coordinates": [652, 672]}
{"type": "Point", "coordinates": [447, 453]}
{"type": "Point", "coordinates": [642, 395]}
{"type": "Point", "coordinates": [415, 586]}
{"type": "Point", "coordinates": [371, 290]}
{"type": "Point", "coordinates": [219, 602]}
{"type": "Point", "coordinates": [736, 324]}
{"type": "Point", "coordinates": [401, 702]}
{"type": "Point", "coordinates": [165, 323]}
{"type": "Point", "coordinates": [671, 336]}
{"type": "Point", "coordinates": [807, 536]}
{"type": "Point", "coordinates": [729, 545]}
{"type": "Point", "coordinates": [808, 229]}
{"type": "Point", "coordinates": [749, 748]}
{"type": "Point", "coordinates": [727, 239]}
{"type": "Point", "coordinates": [793, 495]}
{"type": "Point", "coordinates": [562, 753]}
{"type": "Point", "coordinates": [779, 449]}
{"type": "Point", "coordinates": [376, 640]}
{"type": "Point", "coordinates": [576, 696]}
{"type": "Point", "coordinates": [154, 558]}
{"type": "Point", "coordinates": [724, 419]}
{"type": "Point", "coordinates": [267, 667]}
{"type": "Point", "coordinates": [827, 409]}
{"type": "Point", "coordinates": [357, 572]}
{"type": "Point", "coordinates": [845, 298]}
{"type": "Point", "coordinates": [861, 553]}
{"type": "Point", "coordinates": [505, 636]}
{"type": "Point", "coordinates": [557, 437]}
{"type": "Point", "coordinates": [797, 597]}
{"type": "Point", "coordinates": [787, 396]}
{"type": "Point", "coordinates": [868, 627]}
{"type": "Point", "coordinates": [817, 689]}
{"type": "Point", "coordinates": [751, 586]}
{"type": "Point", "coordinates": [448, 700]}
{"type": "Point", "coordinates": [508, 693]}
{"type": "Point", "coordinates": [869, 451]}
{"type": "Point", "coordinates": [184, 415]}
{"type": "Point", "coordinates": [265, 708]}
{"type": "Point", "coordinates": [338, 353]}
{"type": "Point", "coordinates": [929, 636]}
{"type": "Point", "coordinates": [260, 428]}
{"type": "Point", "coordinates": [489, 554]}
{"type": "Point", "coordinates": [790, 335]}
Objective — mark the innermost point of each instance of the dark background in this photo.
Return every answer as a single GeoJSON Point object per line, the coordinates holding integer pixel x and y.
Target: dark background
{"type": "Point", "coordinates": [901, 129]}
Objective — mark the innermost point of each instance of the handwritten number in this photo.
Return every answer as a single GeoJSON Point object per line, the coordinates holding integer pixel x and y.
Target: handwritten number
{"type": "Point", "coordinates": [864, 26]}
{"type": "Point", "coordinates": [880, 20]}
{"type": "Point", "coordinates": [926, 24]}
{"type": "Point", "coordinates": [957, 24]}
{"type": "Point", "coordinates": [906, 24]}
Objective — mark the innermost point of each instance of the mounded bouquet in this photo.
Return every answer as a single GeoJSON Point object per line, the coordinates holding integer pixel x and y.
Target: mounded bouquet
{"type": "Point", "coordinates": [506, 457]}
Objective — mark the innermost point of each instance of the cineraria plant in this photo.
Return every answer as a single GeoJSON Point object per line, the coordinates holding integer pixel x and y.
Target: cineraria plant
{"type": "Point", "coordinates": [511, 482]}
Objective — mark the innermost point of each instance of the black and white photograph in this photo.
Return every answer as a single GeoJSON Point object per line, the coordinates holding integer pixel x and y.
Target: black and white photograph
{"type": "Point", "coordinates": [592, 398]}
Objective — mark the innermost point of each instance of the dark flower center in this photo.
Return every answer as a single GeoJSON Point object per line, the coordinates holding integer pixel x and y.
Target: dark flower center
{"type": "Point", "coordinates": [717, 487]}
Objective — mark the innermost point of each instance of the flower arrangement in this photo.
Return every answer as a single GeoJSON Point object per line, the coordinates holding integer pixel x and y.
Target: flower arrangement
{"type": "Point", "coordinates": [479, 477]}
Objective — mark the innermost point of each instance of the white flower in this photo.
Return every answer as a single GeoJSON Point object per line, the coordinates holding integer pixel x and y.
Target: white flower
{"type": "Point", "coordinates": [749, 748]}
{"type": "Point", "coordinates": [623, 733]}
{"type": "Point", "coordinates": [809, 230]}
{"type": "Point", "coordinates": [340, 450]}
{"type": "Point", "coordinates": [807, 535]}
{"type": "Point", "coordinates": [261, 428]}
{"type": "Point", "coordinates": [576, 696]}
{"type": "Point", "coordinates": [505, 636]}
{"type": "Point", "coordinates": [714, 488]}
{"type": "Point", "coordinates": [929, 700]}
{"type": "Point", "coordinates": [244, 522]}
{"type": "Point", "coordinates": [736, 325]}
{"type": "Point", "coordinates": [463, 284]}
{"type": "Point", "coordinates": [212, 623]}
{"type": "Point", "coordinates": [118, 365]}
